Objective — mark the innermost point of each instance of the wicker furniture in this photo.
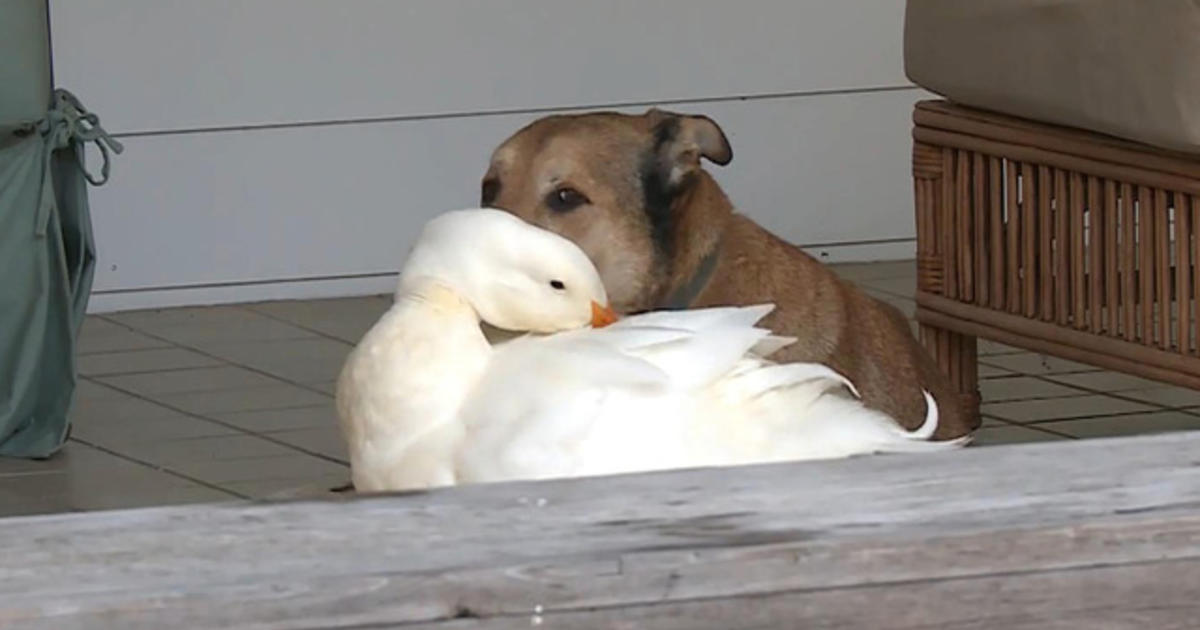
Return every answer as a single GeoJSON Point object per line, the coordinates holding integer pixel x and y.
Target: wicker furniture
{"type": "Point", "coordinates": [1060, 241]}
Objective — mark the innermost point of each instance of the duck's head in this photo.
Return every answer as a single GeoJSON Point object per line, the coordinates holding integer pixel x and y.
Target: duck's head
{"type": "Point", "coordinates": [515, 275]}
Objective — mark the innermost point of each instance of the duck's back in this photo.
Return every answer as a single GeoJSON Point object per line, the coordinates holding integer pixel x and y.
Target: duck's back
{"type": "Point", "coordinates": [603, 401]}
{"type": "Point", "coordinates": [657, 391]}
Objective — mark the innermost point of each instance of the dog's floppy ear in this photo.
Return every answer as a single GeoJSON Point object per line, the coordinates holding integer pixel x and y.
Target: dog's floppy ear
{"type": "Point", "coordinates": [681, 140]}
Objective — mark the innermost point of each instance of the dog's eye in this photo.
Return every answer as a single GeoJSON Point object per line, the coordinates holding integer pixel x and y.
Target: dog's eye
{"type": "Point", "coordinates": [491, 189]}
{"type": "Point", "coordinates": [565, 199]}
{"type": "Point", "coordinates": [557, 285]}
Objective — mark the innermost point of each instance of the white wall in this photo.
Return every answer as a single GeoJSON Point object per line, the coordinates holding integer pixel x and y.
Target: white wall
{"type": "Point", "coordinates": [291, 148]}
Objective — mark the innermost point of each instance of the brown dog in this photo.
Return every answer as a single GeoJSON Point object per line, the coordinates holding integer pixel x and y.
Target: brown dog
{"type": "Point", "coordinates": [630, 191]}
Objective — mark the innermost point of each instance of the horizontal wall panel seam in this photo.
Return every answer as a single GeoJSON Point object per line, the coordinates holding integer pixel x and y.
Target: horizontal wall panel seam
{"type": "Point", "coordinates": [508, 112]}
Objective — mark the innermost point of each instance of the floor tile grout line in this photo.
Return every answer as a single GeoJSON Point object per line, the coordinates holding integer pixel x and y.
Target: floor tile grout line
{"type": "Point", "coordinates": [100, 379]}
{"type": "Point", "coordinates": [907, 297]}
{"type": "Point", "coordinates": [1012, 375]}
{"type": "Point", "coordinates": [320, 333]}
{"type": "Point", "coordinates": [31, 473]}
{"type": "Point", "coordinates": [1051, 432]}
{"type": "Point", "coordinates": [1005, 423]}
{"type": "Point", "coordinates": [162, 370]}
{"type": "Point", "coordinates": [223, 423]}
{"type": "Point", "coordinates": [1093, 416]}
{"type": "Point", "coordinates": [983, 360]}
{"type": "Point", "coordinates": [93, 353]}
{"type": "Point", "coordinates": [907, 275]}
{"type": "Point", "coordinates": [1110, 394]}
{"type": "Point", "coordinates": [158, 468]}
{"type": "Point", "coordinates": [1086, 391]}
{"type": "Point", "coordinates": [1035, 398]}
{"type": "Point", "coordinates": [1121, 394]}
{"type": "Point", "coordinates": [1083, 391]}
{"type": "Point", "coordinates": [226, 361]}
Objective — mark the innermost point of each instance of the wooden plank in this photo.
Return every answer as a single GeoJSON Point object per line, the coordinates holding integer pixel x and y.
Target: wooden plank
{"type": "Point", "coordinates": [1183, 271]}
{"type": "Point", "coordinates": [1194, 202]}
{"type": "Point", "coordinates": [1111, 268]}
{"type": "Point", "coordinates": [1034, 602]}
{"type": "Point", "coordinates": [940, 114]}
{"type": "Point", "coordinates": [1022, 153]}
{"type": "Point", "coordinates": [1162, 267]}
{"type": "Point", "coordinates": [1012, 215]}
{"type": "Point", "coordinates": [964, 214]}
{"type": "Point", "coordinates": [1146, 219]}
{"type": "Point", "coordinates": [1066, 531]}
{"type": "Point", "coordinates": [1095, 255]}
{"type": "Point", "coordinates": [1120, 360]}
{"type": "Point", "coordinates": [1182, 275]}
{"type": "Point", "coordinates": [1062, 249]}
{"type": "Point", "coordinates": [1045, 212]}
{"type": "Point", "coordinates": [997, 227]}
{"type": "Point", "coordinates": [1078, 261]}
{"type": "Point", "coordinates": [946, 226]}
{"type": "Point", "coordinates": [1029, 242]}
{"type": "Point", "coordinates": [1128, 263]}
{"type": "Point", "coordinates": [980, 212]}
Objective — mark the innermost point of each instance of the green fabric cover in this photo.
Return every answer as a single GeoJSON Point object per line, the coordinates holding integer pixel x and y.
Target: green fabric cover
{"type": "Point", "coordinates": [47, 258]}
{"type": "Point", "coordinates": [47, 255]}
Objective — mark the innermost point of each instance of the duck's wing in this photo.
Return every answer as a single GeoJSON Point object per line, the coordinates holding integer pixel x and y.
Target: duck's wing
{"type": "Point", "coordinates": [693, 347]}
{"type": "Point", "coordinates": [805, 409]}
{"type": "Point", "coordinates": [605, 400]}
{"type": "Point", "coordinates": [535, 412]}
{"type": "Point", "coordinates": [697, 319]}
{"type": "Point", "coordinates": [754, 379]}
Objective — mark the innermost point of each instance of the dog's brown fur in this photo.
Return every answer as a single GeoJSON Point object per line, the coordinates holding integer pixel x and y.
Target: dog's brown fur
{"type": "Point", "coordinates": [630, 191]}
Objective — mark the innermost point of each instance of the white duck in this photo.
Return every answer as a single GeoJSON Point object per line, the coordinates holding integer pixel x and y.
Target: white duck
{"type": "Point", "coordinates": [425, 400]}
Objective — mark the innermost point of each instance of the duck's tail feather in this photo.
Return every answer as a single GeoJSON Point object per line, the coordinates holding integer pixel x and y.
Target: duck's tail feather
{"type": "Point", "coordinates": [929, 426]}
{"type": "Point", "coordinates": [771, 344]}
{"type": "Point", "coordinates": [770, 377]}
{"type": "Point", "coordinates": [918, 440]}
{"type": "Point", "coordinates": [832, 425]}
{"type": "Point", "coordinates": [815, 418]}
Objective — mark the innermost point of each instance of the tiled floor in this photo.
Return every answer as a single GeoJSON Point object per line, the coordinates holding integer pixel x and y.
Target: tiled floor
{"type": "Point", "coordinates": [212, 404]}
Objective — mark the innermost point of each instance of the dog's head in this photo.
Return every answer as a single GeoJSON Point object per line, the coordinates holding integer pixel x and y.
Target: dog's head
{"type": "Point", "coordinates": [609, 182]}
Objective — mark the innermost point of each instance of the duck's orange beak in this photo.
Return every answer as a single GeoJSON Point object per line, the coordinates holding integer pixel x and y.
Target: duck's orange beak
{"type": "Point", "coordinates": [602, 315]}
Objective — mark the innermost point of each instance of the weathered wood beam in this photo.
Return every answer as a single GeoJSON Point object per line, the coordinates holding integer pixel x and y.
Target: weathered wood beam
{"type": "Point", "coordinates": [1095, 534]}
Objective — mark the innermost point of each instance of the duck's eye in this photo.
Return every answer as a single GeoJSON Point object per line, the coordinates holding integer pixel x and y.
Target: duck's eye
{"type": "Point", "coordinates": [565, 199]}
{"type": "Point", "coordinates": [557, 285]}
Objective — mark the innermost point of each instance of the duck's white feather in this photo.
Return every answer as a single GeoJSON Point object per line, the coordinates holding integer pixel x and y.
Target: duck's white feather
{"type": "Point", "coordinates": [771, 344]}
{"type": "Point", "coordinates": [397, 407]}
{"type": "Point", "coordinates": [544, 410]}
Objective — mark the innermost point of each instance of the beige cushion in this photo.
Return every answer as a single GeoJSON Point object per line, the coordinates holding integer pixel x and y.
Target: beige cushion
{"type": "Point", "coordinates": [1128, 68]}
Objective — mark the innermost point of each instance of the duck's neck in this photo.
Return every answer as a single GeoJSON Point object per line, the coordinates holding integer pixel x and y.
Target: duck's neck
{"type": "Point", "coordinates": [430, 311]}
{"type": "Point", "coordinates": [424, 297]}
{"type": "Point", "coordinates": [410, 374]}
